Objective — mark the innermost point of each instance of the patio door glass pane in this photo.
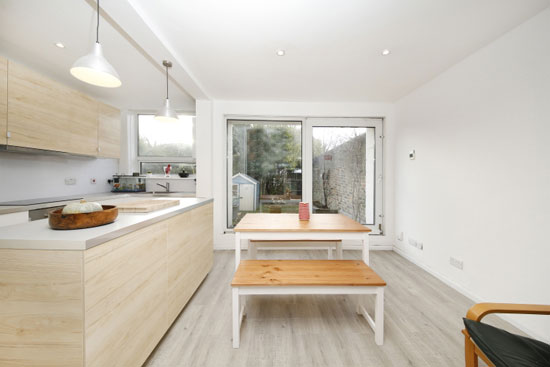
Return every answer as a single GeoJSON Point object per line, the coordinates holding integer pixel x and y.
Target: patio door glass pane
{"type": "Point", "coordinates": [266, 168]}
{"type": "Point", "coordinates": [343, 175]}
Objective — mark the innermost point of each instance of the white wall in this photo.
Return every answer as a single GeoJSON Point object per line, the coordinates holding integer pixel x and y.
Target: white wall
{"type": "Point", "coordinates": [203, 148]}
{"type": "Point", "coordinates": [211, 168]}
{"type": "Point", "coordinates": [27, 176]}
{"type": "Point", "coordinates": [479, 189]}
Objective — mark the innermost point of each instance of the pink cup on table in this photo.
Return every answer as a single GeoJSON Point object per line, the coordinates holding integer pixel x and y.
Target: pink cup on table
{"type": "Point", "coordinates": [303, 211]}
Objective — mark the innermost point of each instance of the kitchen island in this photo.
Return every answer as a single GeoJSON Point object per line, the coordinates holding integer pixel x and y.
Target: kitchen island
{"type": "Point", "coordinates": [100, 296]}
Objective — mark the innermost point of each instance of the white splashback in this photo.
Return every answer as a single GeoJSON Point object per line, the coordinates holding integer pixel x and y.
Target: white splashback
{"type": "Point", "coordinates": [28, 176]}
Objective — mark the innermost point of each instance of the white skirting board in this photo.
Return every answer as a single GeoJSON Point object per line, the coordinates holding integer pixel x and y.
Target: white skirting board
{"type": "Point", "coordinates": [468, 294]}
{"type": "Point", "coordinates": [222, 247]}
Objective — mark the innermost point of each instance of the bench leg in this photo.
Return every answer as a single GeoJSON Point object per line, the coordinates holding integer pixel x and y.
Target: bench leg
{"type": "Point", "coordinates": [252, 251]}
{"type": "Point", "coordinates": [379, 317]}
{"type": "Point", "coordinates": [330, 252]}
{"type": "Point", "coordinates": [339, 252]}
{"type": "Point", "coordinates": [358, 305]}
{"type": "Point", "coordinates": [236, 318]}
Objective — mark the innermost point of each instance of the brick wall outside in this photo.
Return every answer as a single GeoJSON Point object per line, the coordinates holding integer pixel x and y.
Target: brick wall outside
{"type": "Point", "coordinates": [345, 175]}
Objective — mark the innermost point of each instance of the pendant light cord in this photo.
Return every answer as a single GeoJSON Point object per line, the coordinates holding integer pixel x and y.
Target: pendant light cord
{"type": "Point", "coordinates": [97, 26]}
{"type": "Point", "coordinates": [167, 82]}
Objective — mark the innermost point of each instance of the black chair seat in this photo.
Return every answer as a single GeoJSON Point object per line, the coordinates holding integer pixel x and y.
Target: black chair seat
{"type": "Point", "coordinates": [505, 349]}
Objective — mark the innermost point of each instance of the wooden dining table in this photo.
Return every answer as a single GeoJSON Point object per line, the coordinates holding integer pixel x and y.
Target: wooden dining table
{"type": "Point", "coordinates": [287, 227]}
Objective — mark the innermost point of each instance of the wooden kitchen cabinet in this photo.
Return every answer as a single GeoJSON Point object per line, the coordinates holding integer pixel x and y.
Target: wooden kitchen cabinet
{"type": "Point", "coordinates": [3, 100]}
{"type": "Point", "coordinates": [125, 298]}
{"type": "Point", "coordinates": [108, 131]}
{"type": "Point", "coordinates": [184, 247]}
{"type": "Point", "coordinates": [44, 114]}
{"type": "Point", "coordinates": [108, 305]}
{"type": "Point", "coordinates": [41, 308]}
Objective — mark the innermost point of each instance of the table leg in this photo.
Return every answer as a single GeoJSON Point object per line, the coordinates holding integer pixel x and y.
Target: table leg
{"type": "Point", "coordinates": [379, 317]}
{"type": "Point", "coordinates": [252, 250]}
{"type": "Point", "coordinates": [366, 248]}
{"type": "Point", "coordinates": [339, 251]}
{"type": "Point", "coordinates": [237, 249]}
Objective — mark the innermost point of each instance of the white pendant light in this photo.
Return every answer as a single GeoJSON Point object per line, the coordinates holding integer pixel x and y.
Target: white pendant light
{"type": "Point", "coordinates": [93, 68]}
{"type": "Point", "coordinates": [166, 113]}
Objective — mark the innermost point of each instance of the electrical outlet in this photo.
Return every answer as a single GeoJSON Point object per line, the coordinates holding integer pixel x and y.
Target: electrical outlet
{"type": "Point", "coordinates": [93, 181]}
{"type": "Point", "coordinates": [459, 264]}
{"type": "Point", "coordinates": [415, 243]}
{"type": "Point", "coordinates": [70, 181]}
{"type": "Point", "coordinates": [400, 237]}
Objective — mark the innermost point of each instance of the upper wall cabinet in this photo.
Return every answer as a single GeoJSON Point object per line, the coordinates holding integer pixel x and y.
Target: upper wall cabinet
{"type": "Point", "coordinates": [3, 100]}
{"type": "Point", "coordinates": [44, 114]}
{"type": "Point", "coordinates": [108, 132]}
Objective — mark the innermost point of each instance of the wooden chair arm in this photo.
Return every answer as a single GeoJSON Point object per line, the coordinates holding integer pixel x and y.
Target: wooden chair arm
{"type": "Point", "coordinates": [479, 310]}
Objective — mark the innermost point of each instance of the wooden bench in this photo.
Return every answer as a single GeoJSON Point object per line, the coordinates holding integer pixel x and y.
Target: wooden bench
{"type": "Point", "coordinates": [264, 277]}
{"type": "Point", "coordinates": [254, 245]}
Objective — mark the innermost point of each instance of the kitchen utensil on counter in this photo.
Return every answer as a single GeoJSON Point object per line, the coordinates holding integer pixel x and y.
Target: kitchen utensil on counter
{"type": "Point", "coordinates": [58, 220]}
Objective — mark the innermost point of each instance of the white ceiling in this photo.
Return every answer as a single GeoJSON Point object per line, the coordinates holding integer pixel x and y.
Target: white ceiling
{"type": "Point", "coordinates": [333, 46]}
{"type": "Point", "coordinates": [226, 49]}
{"type": "Point", "coordinates": [29, 29]}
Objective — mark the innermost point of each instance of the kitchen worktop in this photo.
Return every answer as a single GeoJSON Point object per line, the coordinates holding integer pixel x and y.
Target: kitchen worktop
{"type": "Point", "coordinates": [47, 203]}
{"type": "Point", "coordinates": [7, 209]}
{"type": "Point", "coordinates": [38, 235]}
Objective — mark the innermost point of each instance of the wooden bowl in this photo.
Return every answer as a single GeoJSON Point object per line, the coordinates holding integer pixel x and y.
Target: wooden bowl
{"type": "Point", "coordinates": [57, 220]}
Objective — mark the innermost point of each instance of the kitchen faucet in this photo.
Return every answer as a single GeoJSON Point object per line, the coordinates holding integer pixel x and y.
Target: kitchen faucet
{"type": "Point", "coordinates": [166, 187]}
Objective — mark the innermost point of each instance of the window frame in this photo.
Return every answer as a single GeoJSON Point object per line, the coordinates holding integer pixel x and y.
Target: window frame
{"type": "Point", "coordinates": [229, 153]}
{"type": "Point", "coordinates": [307, 124]}
{"type": "Point", "coordinates": [191, 160]}
{"type": "Point", "coordinates": [368, 122]}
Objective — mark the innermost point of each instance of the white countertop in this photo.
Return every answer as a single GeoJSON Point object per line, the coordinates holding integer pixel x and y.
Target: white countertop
{"type": "Point", "coordinates": [4, 209]}
{"type": "Point", "coordinates": [88, 197]}
{"type": "Point", "coordinates": [38, 235]}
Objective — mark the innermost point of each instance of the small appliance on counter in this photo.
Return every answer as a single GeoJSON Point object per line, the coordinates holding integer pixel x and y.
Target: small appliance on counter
{"type": "Point", "coordinates": [128, 183]}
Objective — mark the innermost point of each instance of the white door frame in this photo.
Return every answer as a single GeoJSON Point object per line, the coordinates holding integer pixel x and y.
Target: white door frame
{"type": "Point", "coordinates": [307, 165]}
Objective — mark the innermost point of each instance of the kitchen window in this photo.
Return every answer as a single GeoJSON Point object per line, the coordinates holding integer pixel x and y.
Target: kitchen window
{"type": "Point", "coordinates": [162, 143]}
{"type": "Point", "coordinates": [335, 164]}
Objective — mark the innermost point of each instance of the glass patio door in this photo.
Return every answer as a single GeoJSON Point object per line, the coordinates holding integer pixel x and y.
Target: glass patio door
{"type": "Point", "coordinates": [345, 175]}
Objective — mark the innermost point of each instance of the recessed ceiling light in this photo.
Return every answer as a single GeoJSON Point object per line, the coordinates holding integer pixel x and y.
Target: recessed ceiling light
{"type": "Point", "coordinates": [281, 52]}
{"type": "Point", "coordinates": [386, 52]}
{"type": "Point", "coordinates": [60, 45]}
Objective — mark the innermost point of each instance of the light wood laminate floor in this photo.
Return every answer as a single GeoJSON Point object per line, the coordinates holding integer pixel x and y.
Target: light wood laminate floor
{"type": "Point", "coordinates": [423, 319]}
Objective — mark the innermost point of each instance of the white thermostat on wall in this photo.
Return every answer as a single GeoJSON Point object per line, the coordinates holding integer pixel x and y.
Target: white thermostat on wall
{"type": "Point", "coordinates": [412, 155]}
